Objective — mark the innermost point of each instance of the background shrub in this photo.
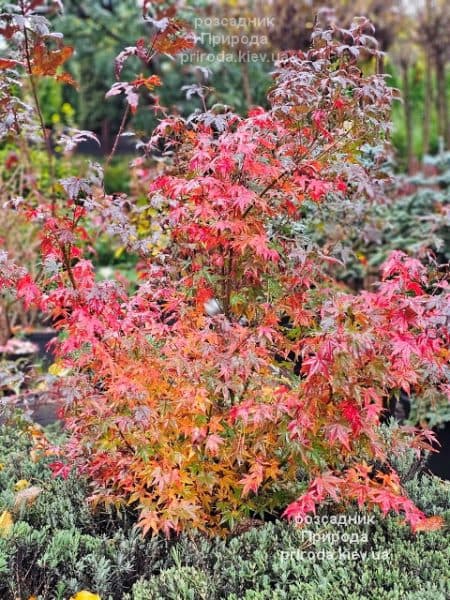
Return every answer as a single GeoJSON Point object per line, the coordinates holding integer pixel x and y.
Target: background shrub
{"type": "Point", "coordinates": [59, 546]}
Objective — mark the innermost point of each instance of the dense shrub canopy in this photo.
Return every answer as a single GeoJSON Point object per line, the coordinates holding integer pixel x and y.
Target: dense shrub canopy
{"type": "Point", "coordinates": [180, 397]}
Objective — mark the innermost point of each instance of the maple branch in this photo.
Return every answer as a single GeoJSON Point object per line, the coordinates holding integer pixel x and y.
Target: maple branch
{"type": "Point", "coordinates": [35, 94]}
{"type": "Point", "coordinates": [208, 425]}
{"type": "Point", "coordinates": [228, 284]}
{"type": "Point", "coordinates": [45, 135]}
{"type": "Point", "coordinates": [124, 439]}
{"type": "Point", "coordinates": [240, 344]}
{"type": "Point", "coordinates": [267, 189]}
{"type": "Point", "coordinates": [66, 258]}
{"type": "Point", "coordinates": [291, 171]}
{"type": "Point", "coordinates": [119, 133]}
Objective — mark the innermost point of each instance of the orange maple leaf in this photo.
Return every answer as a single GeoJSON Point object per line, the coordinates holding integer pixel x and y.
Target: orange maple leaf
{"type": "Point", "coordinates": [9, 63]}
{"type": "Point", "coordinates": [47, 62]}
{"type": "Point", "coordinates": [430, 524]}
{"type": "Point", "coordinates": [174, 39]}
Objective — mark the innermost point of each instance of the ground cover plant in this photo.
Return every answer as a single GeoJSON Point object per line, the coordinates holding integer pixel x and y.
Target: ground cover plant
{"type": "Point", "coordinates": [238, 379]}
{"type": "Point", "coordinates": [412, 218]}
{"type": "Point", "coordinates": [53, 545]}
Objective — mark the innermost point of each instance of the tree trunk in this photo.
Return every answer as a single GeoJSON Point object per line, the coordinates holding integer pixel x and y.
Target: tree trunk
{"type": "Point", "coordinates": [246, 84]}
{"type": "Point", "coordinates": [408, 117]}
{"type": "Point", "coordinates": [105, 136]}
{"type": "Point", "coordinates": [5, 327]}
{"type": "Point", "coordinates": [428, 92]}
{"type": "Point", "coordinates": [442, 102]}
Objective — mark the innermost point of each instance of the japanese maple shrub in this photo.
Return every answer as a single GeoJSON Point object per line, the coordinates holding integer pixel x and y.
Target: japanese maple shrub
{"type": "Point", "coordinates": [180, 397]}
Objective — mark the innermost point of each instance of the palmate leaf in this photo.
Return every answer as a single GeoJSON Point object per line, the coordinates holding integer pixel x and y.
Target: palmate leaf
{"type": "Point", "coordinates": [74, 137]}
{"type": "Point", "coordinates": [47, 62]}
{"type": "Point", "coordinates": [9, 63]}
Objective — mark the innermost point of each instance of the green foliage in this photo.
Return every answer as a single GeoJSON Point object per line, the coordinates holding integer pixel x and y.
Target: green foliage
{"type": "Point", "coordinates": [117, 176]}
{"type": "Point", "coordinates": [34, 162]}
{"type": "Point", "coordinates": [58, 546]}
{"type": "Point", "coordinates": [51, 96]}
{"type": "Point", "coordinates": [120, 27]}
{"type": "Point", "coordinates": [430, 412]}
{"type": "Point", "coordinates": [418, 221]}
{"type": "Point", "coordinates": [98, 35]}
{"type": "Point", "coordinates": [268, 563]}
{"type": "Point", "coordinates": [417, 100]}
{"type": "Point", "coordinates": [174, 583]}
{"type": "Point", "coordinates": [411, 216]}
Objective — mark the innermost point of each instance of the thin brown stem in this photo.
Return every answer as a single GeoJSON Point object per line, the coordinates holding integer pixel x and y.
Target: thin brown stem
{"type": "Point", "coordinates": [119, 133]}
{"type": "Point", "coordinates": [65, 251]}
{"type": "Point", "coordinates": [290, 171]}
{"type": "Point", "coordinates": [267, 189]}
{"type": "Point", "coordinates": [124, 439]}
{"type": "Point", "coordinates": [228, 284]}
{"type": "Point", "coordinates": [34, 92]}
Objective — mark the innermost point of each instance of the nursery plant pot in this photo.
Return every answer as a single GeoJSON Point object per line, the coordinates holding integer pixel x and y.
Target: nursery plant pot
{"type": "Point", "coordinates": [41, 338]}
{"type": "Point", "coordinates": [439, 462]}
{"type": "Point", "coordinates": [44, 410]}
{"type": "Point", "coordinates": [38, 407]}
{"type": "Point", "coordinates": [17, 349]}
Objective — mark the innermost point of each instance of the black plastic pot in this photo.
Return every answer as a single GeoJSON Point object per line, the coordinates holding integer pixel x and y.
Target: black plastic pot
{"type": "Point", "coordinates": [42, 338]}
{"type": "Point", "coordinates": [439, 462]}
{"type": "Point", "coordinates": [23, 354]}
{"type": "Point", "coordinates": [44, 411]}
{"type": "Point", "coordinates": [39, 407]}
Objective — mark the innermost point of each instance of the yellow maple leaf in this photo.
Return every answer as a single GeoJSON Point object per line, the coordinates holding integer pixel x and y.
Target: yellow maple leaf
{"type": "Point", "coordinates": [22, 484]}
{"type": "Point", "coordinates": [6, 523]}
{"type": "Point", "coordinates": [57, 370]}
{"type": "Point", "coordinates": [54, 369]}
{"type": "Point", "coordinates": [118, 253]}
{"type": "Point", "coordinates": [84, 595]}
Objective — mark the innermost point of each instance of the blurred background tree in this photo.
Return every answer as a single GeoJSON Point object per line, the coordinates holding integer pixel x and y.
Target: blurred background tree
{"type": "Point", "coordinates": [433, 33]}
{"type": "Point", "coordinates": [99, 30]}
{"type": "Point", "coordinates": [415, 37]}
